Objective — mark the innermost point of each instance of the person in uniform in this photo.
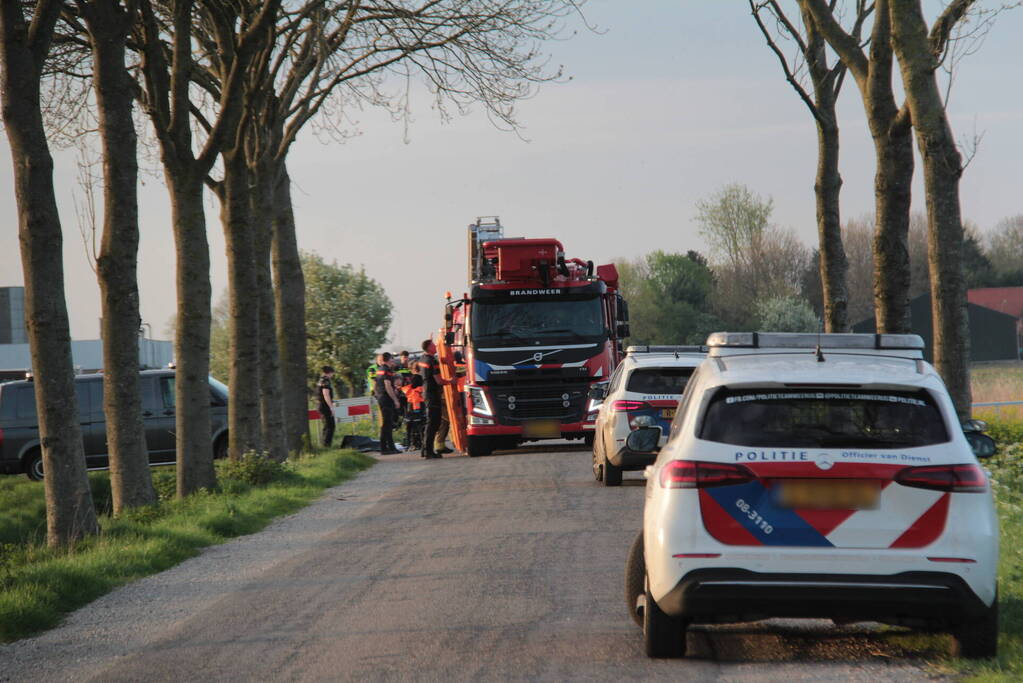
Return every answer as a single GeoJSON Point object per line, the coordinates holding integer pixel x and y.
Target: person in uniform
{"type": "Point", "coordinates": [429, 370]}
{"type": "Point", "coordinates": [325, 395]}
{"type": "Point", "coordinates": [387, 399]}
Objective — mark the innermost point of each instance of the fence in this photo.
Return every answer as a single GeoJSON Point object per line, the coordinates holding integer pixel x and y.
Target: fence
{"type": "Point", "coordinates": [997, 405]}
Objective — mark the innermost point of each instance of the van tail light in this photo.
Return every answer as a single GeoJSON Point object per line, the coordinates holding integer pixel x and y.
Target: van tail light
{"type": "Point", "coordinates": [621, 406]}
{"type": "Point", "coordinates": [954, 478]}
{"type": "Point", "coordinates": [694, 474]}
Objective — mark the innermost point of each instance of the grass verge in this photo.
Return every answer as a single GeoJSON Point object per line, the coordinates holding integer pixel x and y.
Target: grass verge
{"type": "Point", "coordinates": [1006, 469]}
{"type": "Point", "coordinates": [38, 586]}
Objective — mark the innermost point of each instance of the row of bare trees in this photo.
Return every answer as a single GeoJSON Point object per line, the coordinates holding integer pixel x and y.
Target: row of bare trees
{"type": "Point", "coordinates": [866, 40]}
{"type": "Point", "coordinates": [225, 86]}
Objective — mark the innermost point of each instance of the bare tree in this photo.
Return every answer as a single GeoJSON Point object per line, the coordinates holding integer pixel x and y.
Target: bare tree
{"type": "Point", "coordinates": [890, 128]}
{"type": "Point", "coordinates": [919, 53]}
{"type": "Point", "coordinates": [826, 83]}
{"type": "Point", "coordinates": [107, 25]}
{"type": "Point", "coordinates": [167, 65]}
{"type": "Point", "coordinates": [326, 54]}
{"type": "Point", "coordinates": [24, 45]}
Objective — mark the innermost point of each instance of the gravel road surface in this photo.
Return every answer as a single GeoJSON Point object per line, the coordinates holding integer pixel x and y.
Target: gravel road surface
{"type": "Point", "coordinates": [500, 568]}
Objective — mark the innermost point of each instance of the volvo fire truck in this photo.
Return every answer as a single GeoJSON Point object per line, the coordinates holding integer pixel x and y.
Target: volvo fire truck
{"type": "Point", "coordinates": [537, 330]}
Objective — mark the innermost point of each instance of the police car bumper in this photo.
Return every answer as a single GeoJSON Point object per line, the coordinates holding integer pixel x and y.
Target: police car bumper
{"type": "Point", "coordinates": [916, 598]}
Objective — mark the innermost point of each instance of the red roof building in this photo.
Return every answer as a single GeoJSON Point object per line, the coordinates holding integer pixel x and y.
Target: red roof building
{"type": "Point", "coordinates": [1007, 300]}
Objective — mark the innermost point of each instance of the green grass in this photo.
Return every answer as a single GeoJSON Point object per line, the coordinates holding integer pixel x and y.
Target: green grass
{"type": "Point", "coordinates": [1007, 481]}
{"type": "Point", "coordinates": [38, 586]}
{"type": "Point", "coordinates": [997, 382]}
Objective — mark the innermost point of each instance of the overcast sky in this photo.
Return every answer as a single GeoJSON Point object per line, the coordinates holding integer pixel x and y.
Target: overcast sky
{"type": "Point", "coordinates": [668, 102]}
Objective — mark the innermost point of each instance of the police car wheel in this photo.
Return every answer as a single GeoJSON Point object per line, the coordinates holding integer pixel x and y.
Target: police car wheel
{"type": "Point", "coordinates": [612, 474]}
{"type": "Point", "coordinates": [663, 636]}
{"type": "Point", "coordinates": [635, 573]}
{"type": "Point", "coordinates": [978, 639]}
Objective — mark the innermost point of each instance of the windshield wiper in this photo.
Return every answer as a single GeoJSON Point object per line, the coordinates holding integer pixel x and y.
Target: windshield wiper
{"type": "Point", "coordinates": [563, 330]}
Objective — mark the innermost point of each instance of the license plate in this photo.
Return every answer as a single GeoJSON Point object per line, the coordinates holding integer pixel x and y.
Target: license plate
{"type": "Point", "coordinates": [541, 429]}
{"type": "Point", "coordinates": [827, 494]}
{"type": "Point", "coordinates": [668, 413]}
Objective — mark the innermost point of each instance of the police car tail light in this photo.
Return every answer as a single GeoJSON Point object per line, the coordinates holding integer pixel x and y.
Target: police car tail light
{"type": "Point", "coordinates": [623, 406]}
{"type": "Point", "coordinates": [693, 474]}
{"type": "Point", "coordinates": [966, 478]}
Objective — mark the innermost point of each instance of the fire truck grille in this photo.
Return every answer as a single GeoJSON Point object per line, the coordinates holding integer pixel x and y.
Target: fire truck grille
{"type": "Point", "coordinates": [564, 402]}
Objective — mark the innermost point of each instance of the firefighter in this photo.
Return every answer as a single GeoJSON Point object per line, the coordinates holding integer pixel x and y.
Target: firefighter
{"type": "Point", "coordinates": [429, 370]}
{"type": "Point", "coordinates": [415, 413]}
{"type": "Point", "coordinates": [387, 399]}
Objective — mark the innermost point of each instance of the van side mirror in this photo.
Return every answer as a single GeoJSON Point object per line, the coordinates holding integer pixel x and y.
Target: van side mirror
{"type": "Point", "coordinates": [983, 445]}
{"type": "Point", "coordinates": [644, 440]}
{"type": "Point", "coordinates": [598, 392]}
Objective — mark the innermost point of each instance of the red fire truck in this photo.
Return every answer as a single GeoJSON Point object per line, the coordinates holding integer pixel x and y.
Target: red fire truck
{"type": "Point", "coordinates": [536, 331]}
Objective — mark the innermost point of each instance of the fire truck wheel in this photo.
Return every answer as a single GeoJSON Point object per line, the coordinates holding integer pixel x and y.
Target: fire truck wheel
{"type": "Point", "coordinates": [588, 439]}
{"type": "Point", "coordinates": [480, 445]}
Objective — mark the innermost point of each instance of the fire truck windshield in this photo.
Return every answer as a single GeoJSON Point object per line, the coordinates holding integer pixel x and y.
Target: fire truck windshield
{"type": "Point", "coordinates": [548, 319]}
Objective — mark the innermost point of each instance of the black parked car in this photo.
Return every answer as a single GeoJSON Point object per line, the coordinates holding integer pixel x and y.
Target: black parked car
{"type": "Point", "coordinates": [19, 426]}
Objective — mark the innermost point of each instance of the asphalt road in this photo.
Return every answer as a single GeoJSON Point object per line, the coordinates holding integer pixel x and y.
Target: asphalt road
{"type": "Point", "coordinates": [501, 568]}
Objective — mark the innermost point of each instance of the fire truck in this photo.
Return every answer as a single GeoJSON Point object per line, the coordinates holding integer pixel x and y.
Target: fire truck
{"type": "Point", "coordinates": [537, 332]}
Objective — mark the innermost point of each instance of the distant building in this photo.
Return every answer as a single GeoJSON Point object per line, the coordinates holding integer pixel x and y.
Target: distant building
{"type": "Point", "coordinates": [994, 335]}
{"type": "Point", "coordinates": [12, 316]}
{"type": "Point", "coordinates": [87, 356]}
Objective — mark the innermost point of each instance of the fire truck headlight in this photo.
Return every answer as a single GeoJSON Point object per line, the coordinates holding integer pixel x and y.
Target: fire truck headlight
{"type": "Point", "coordinates": [480, 405]}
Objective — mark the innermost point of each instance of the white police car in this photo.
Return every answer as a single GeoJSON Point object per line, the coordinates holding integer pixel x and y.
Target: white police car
{"type": "Point", "coordinates": [643, 392]}
{"type": "Point", "coordinates": [816, 476]}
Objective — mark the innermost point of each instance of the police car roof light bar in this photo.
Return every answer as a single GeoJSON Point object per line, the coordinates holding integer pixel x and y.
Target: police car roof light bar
{"type": "Point", "coordinates": [646, 348]}
{"type": "Point", "coordinates": [810, 341]}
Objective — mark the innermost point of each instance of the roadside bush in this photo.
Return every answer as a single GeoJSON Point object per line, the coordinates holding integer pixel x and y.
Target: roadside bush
{"type": "Point", "coordinates": [1005, 432]}
{"type": "Point", "coordinates": [255, 469]}
{"type": "Point", "coordinates": [165, 481]}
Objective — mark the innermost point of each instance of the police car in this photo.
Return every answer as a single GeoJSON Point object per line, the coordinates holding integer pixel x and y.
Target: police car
{"type": "Point", "coordinates": [816, 476]}
{"type": "Point", "coordinates": [643, 392]}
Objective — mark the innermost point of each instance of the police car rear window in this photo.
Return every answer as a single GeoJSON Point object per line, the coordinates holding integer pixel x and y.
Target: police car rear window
{"type": "Point", "coordinates": [659, 380]}
{"type": "Point", "coordinates": [823, 418]}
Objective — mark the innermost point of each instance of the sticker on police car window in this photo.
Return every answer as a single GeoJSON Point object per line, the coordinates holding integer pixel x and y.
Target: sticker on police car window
{"type": "Point", "coordinates": [824, 396]}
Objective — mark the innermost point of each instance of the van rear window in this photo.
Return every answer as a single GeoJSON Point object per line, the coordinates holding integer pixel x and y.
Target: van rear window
{"type": "Point", "coordinates": [659, 380]}
{"type": "Point", "coordinates": [839, 418]}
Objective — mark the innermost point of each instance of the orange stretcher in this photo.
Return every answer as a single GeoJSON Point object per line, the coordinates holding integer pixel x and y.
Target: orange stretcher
{"type": "Point", "coordinates": [453, 398]}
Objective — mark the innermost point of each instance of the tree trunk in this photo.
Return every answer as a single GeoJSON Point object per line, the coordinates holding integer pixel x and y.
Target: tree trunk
{"type": "Point", "coordinates": [828, 185]}
{"type": "Point", "coordinates": [289, 291]}
{"type": "Point", "coordinates": [893, 147]}
{"type": "Point", "coordinates": [942, 170]}
{"type": "Point", "coordinates": [271, 407]}
{"type": "Point", "coordinates": [70, 514]}
{"type": "Point", "coordinates": [893, 178]}
{"type": "Point", "coordinates": [192, 334]}
{"type": "Point", "coordinates": [244, 402]}
{"type": "Point", "coordinates": [131, 483]}
{"type": "Point", "coordinates": [894, 154]}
